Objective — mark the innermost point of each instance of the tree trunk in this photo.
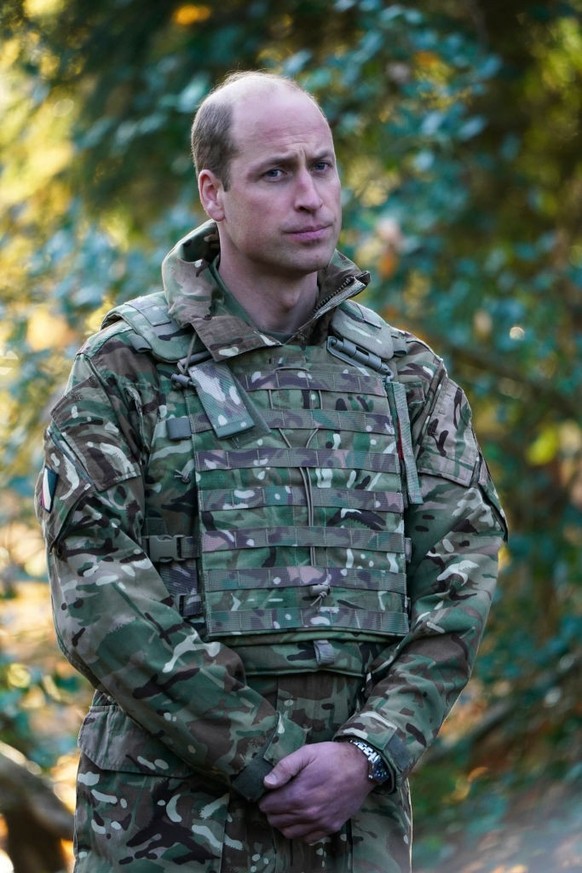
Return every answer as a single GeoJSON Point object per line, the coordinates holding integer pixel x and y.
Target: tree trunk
{"type": "Point", "coordinates": [36, 820]}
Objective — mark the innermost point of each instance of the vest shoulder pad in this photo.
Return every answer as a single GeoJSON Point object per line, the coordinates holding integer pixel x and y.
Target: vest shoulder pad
{"type": "Point", "coordinates": [155, 330]}
{"type": "Point", "coordinates": [411, 359]}
{"type": "Point", "coordinates": [367, 329]}
{"type": "Point", "coordinates": [418, 361]}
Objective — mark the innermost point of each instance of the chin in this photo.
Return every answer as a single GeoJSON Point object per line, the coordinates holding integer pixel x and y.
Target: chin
{"type": "Point", "coordinates": [317, 260]}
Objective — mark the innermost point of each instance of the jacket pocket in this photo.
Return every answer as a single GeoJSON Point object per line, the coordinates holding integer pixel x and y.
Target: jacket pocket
{"type": "Point", "coordinates": [138, 803]}
{"type": "Point", "coordinates": [113, 741]}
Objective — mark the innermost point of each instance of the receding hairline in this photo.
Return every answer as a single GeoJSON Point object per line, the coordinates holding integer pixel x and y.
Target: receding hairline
{"type": "Point", "coordinates": [243, 84]}
{"type": "Point", "coordinates": [212, 139]}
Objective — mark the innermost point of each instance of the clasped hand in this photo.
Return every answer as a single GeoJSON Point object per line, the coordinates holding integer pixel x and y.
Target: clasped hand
{"type": "Point", "coordinates": [313, 791]}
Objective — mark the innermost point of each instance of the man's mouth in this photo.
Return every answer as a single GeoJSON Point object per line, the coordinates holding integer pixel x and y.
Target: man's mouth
{"type": "Point", "coordinates": [312, 233]}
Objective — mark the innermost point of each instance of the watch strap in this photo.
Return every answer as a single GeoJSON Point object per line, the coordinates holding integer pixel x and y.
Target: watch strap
{"type": "Point", "coordinates": [378, 770]}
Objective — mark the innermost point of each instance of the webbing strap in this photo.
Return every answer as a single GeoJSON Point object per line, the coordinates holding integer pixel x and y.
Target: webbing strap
{"type": "Point", "coordinates": [398, 392]}
{"type": "Point", "coordinates": [348, 420]}
{"type": "Point", "coordinates": [329, 459]}
{"type": "Point", "coordinates": [227, 499]}
{"type": "Point", "coordinates": [325, 654]}
{"type": "Point", "coordinates": [326, 537]}
{"type": "Point", "coordinates": [304, 577]}
{"type": "Point", "coordinates": [316, 618]}
{"type": "Point", "coordinates": [347, 350]}
{"type": "Point", "coordinates": [326, 378]}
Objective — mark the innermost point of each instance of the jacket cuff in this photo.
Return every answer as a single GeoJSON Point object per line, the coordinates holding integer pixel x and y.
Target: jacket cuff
{"type": "Point", "coordinates": [286, 738]}
{"type": "Point", "coordinates": [386, 742]}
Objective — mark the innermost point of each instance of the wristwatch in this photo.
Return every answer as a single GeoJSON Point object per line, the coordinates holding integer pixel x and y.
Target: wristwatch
{"type": "Point", "coordinates": [378, 771]}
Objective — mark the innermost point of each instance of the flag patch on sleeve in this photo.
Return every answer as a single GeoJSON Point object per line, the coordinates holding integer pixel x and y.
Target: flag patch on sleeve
{"type": "Point", "coordinates": [49, 486]}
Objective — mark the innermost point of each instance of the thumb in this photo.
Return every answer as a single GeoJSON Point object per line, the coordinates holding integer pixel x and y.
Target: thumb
{"type": "Point", "coordinates": [285, 770]}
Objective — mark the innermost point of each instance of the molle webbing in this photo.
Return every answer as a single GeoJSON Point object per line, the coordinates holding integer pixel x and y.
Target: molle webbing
{"type": "Point", "coordinates": [389, 501]}
{"type": "Point", "coordinates": [293, 576]}
{"type": "Point", "coordinates": [305, 458]}
{"type": "Point", "coordinates": [297, 537]}
{"type": "Point", "coordinates": [299, 466]}
{"type": "Point", "coordinates": [366, 339]}
{"type": "Point", "coordinates": [347, 350]}
{"type": "Point", "coordinates": [300, 529]}
{"type": "Point", "coordinates": [180, 428]}
{"type": "Point", "coordinates": [311, 606]}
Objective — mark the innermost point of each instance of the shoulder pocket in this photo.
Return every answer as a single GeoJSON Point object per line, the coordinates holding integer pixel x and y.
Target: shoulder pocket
{"type": "Point", "coordinates": [87, 425]}
{"type": "Point", "coordinates": [449, 447]}
{"type": "Point", "coordinates": [59, 488]}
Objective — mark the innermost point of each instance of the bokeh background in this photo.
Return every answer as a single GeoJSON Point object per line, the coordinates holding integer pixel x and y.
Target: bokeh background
{"type": "Point", "coordinates": [458, 131]}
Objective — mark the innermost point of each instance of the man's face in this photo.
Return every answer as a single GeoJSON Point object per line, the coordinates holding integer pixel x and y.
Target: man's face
{"type": "Point", "coordinates": [281, 215]}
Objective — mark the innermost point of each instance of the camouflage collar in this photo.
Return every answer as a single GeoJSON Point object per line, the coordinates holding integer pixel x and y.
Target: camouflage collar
{"type": "Point", "coordinates": [195, 298]}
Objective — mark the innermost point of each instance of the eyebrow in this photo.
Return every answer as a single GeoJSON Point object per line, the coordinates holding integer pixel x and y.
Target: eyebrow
{"type": "Point", "coordinates": [285, 159]}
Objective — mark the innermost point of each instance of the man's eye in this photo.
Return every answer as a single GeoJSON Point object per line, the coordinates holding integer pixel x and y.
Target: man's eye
{"type": "Point", "coordinates": [274, 173]}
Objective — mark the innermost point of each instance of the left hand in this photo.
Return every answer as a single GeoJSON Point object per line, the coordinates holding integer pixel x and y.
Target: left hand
{"type": "Point", "coordinates": [314, 790]}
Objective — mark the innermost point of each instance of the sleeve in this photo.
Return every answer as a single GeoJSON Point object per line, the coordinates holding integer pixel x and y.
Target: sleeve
{"type": "Point", "coordinates": [456, 535]}
{"type": "Point", "coordinates": [114, 618]}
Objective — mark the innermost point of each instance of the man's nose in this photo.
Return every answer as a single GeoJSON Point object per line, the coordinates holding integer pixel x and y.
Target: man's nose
{"type": "Point", "coordinates": [307, 194]}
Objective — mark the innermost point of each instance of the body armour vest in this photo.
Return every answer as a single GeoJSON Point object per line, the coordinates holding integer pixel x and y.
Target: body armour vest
{"type": "Point", "coordinates": [275, 492]}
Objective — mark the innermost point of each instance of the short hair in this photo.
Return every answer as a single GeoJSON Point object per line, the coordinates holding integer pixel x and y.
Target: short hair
{"type": "Point", "coordinates": [213, 146]}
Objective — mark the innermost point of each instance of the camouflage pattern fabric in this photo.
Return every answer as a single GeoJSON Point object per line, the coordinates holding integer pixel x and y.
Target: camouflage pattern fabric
{"type": "Point", "coordinates": [296, 533]}
{"type": "Point", "coordinates": [151, 811]}
{"type": "Point", "coordinates": [184, 727]}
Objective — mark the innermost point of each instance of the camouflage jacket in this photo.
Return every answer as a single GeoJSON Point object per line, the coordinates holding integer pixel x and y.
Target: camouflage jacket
{"type": "Point", "coordinates": [122, 612]}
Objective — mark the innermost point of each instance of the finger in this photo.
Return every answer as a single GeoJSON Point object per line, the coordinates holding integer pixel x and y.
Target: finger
{"type": "Point", "coordinates": [304, 832]}
{"type": "Point", "coordinates": [297, 826]}
{"type": "Point", "coordinates": [273, 805]}
{"type": "Point", "coordinates": [285, 770]}
{"type": "Point", "coordinates": [285, 816]}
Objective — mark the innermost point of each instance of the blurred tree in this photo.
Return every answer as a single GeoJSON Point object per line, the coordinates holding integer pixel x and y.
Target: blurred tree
{"type": "Point", "coordinates": [37, 820]}
{"type": "Point", "coordinates": [458, 133]}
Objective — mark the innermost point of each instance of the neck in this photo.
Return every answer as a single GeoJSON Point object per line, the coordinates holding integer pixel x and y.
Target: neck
{"type": "Point", "coordinates": [273, 304]}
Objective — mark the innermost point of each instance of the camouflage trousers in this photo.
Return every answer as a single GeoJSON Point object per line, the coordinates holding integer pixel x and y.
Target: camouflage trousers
{"type": "Point", "coordinates": [174, 819]}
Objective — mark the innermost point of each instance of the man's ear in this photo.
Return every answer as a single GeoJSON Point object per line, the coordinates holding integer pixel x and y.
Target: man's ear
{"type": "Point", "coordinates": [210, 191]}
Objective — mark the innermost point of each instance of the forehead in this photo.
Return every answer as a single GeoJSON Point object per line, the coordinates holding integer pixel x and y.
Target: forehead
{"type": "Point", "coordinates": [278, 119]}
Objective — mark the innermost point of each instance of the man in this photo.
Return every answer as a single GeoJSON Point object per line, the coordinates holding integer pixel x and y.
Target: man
{"type": "Point", "coordinates": [272, 538]}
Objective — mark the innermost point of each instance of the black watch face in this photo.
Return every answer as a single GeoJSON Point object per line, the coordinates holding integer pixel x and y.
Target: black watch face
{"type": "Point", "coordinates": [379, 771]}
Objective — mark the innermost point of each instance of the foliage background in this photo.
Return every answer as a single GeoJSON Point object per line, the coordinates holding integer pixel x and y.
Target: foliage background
{"type": "Point", "coordinates": [458, 130]}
